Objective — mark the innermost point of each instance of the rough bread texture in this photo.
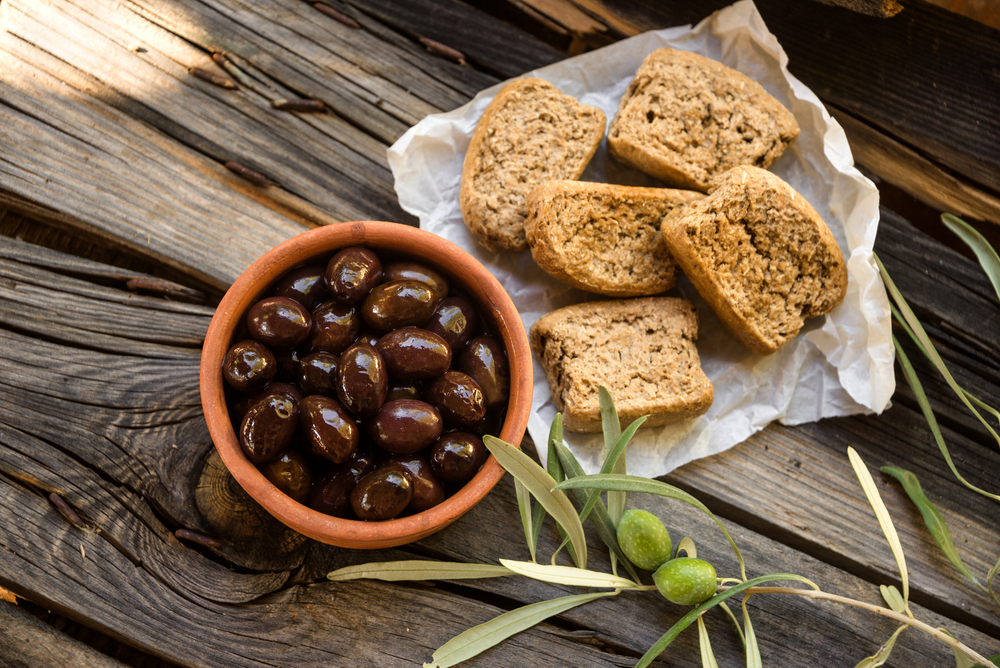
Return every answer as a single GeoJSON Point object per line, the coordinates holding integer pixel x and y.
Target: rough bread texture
{"type": "Point", "coordinates": [529, 134]}
{"type": "Point", "coordinates": [760, 255]}
{"type": "Point", "coordinates": [642, 350]}
{"type": "Point", "coordinates": [603, 238]}
{"type": "Point", "coordinates": [686, 118]}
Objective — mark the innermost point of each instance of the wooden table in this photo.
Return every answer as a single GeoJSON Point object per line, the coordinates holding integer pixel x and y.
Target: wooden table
{"type": "Point", "coordinates": [123, 226]}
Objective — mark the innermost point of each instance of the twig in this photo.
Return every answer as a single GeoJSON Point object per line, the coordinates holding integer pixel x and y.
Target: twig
{"type": "Point", "coordinates": [337, 16]}
{"type": "Point", "coordinates": [443, 50]}
{"type": "Point", "coordinates": [66, 511]}
{"type": "Point", "coordinates": [212, 78]}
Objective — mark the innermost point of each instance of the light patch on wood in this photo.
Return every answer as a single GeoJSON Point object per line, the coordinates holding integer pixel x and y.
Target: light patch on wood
{"type": "Point", "coordinates": [10, 598]}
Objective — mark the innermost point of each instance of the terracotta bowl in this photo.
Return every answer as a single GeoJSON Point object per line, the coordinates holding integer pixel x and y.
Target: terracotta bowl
{"type": "Point", "coordinates": [469, 278]}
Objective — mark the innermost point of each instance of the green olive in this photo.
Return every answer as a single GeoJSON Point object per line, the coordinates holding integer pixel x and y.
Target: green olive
{"type": "Point", "coordinates": [686, 581]}
{"type": "Point", "coordinates": [644, 539]}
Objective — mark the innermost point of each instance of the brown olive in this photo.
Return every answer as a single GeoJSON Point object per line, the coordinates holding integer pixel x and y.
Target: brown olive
{"type": "Point", "coordinates": [332, 493]}
{"type": "Point", "coordinates": [457, 456]}
{"type": "Point", "coordinates": [352, 273]}
{"type": "Point", "coordinates": [404, 391]}
{"type": "Point", "coordinates": [243, 404]}
{"type": "Point", "coordinates": [279, 322]}
{"type": "Point", "coordinates": [268, 427]}
{"type": "Point", "coordinates": [414, 354]}
{"type": "Point", "coordinates": [405, 426]}
{"type": "Point", "coordinates": [249, 366]}
{"type": "Point", "coordinates": [362, 380]}
{"type": "Point", "coordinates": [398, 304]}
{"type": "Point", "coordinates": [318, 373]}
{"type": "Point", "coordinates": [288, 365]}
{"type": "Point", "coordinates": [330, 431]}
{"type": "Point", "coordinates": [305, 285]}
{"type": "Point", "coordinates": [382, 494]}
{"type": "Point", "coordinates": [455, 320]}
{"type": "Point", "coordinates": [335, 326]}
{"type": "Point", "coordinates": [458, 398]}
{"type": "Point", "coordinates": [369, 336]}
{"type": "Point", "coordinates": [427, 489]}
{"type": "Point", "coordinates": [413, 271]}
{"type": "Point", "coordinates": [484, 359]}
{"type": "Point", "coordinates": [291, 474]}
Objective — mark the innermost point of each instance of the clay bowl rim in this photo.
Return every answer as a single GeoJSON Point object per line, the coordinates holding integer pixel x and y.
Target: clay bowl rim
{"type": "Point", "coordinates": [477, 283]}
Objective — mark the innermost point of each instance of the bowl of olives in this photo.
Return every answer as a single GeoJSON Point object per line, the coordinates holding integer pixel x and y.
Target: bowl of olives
{"type": "Point", "coordinates": [349, 375]}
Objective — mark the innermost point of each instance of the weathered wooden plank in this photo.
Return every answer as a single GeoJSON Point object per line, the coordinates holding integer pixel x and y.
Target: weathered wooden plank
{"type": "Point", "coordinates": [25, 642]}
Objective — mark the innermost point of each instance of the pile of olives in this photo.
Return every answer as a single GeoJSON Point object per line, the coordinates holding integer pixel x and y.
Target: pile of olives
{"type": "Point", "coordinates": [363, 390]}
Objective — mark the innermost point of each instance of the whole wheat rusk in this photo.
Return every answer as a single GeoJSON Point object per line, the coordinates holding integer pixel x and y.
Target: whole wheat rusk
{"type": "Point", "coordinates": [641, 349]}
{"type": "Point", "coordinates": [529, 134]}
{"type": "Point", "coordinates": [760, 255]}
{"type": "Point", "coordinates": [603, 238]}
{"type": "Point", "coordinates": [686, 118]}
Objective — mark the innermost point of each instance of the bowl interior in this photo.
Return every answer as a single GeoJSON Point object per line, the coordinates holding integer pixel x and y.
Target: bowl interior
{"type": "Point", "coordinates": [393, 241]}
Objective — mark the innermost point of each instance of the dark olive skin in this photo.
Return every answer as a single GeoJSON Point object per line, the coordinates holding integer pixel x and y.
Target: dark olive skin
{"type": "Point", "coordinates": [249, 366]}
{"type": "Point", "coordinates": [288, 365]}
{"type": "Point", "coordinates": [369, 336]}
{"type": "Point", "coordinates": [484, 359]}
{"type": "Point", "coordinates": [382, 494]}
{"type": "Point", "coordinates": [335, 327]}
{"type": "Point", "coordinates": [405, 426]}
{"type": "Point", "coordinates": [457, 456]}
{"type": "Point", "coordinates": [455, 320]}
{"type": "Point", "coordinates": [332, 493]}
{"type": "Point", "coordinates": [329, 430]}
{"type": "Point", "coordinates": [268, 427]}
{"type": "Point", "coordinates": [244, 403]}
{"type": "Point", "coordinates": [362, 380]}
{"type": "Point", "coordinates": [427, 489]}
{"type": "Point", "coordinates": [318, 373]}
{"type": "Point", "coordinates": [413, 271]}
{"type": "Point", "coordinates": [458, 398]}
{"type": "Point", "coordinates": [306, 285]}
{"type": "Point", "coordinates": [398, 304]}
{"type": "Point", "coordinates": [291, 474]}
{"type": "Point", "coordinates": [351, 274]}
{"type": "Point", "coordinates": [404, 391]}
{"type": "Point", "coordinates": [414, 354]}
{"type": "Point", "coordinates": [279, 322]}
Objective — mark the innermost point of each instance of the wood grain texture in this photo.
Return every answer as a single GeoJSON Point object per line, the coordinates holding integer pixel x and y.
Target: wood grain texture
{"type": "Point", "coordinates": [25, 641]}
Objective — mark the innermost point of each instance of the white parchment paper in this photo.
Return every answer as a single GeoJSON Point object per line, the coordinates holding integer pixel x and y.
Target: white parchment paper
{"type": "Point", "coordinates": [838, 365]}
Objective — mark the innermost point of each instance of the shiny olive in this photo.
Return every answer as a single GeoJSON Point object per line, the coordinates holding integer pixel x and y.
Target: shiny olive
{"type": "Point", "coordinates": [457, 456]}
{"type": "Point", "coordinates": [484, 359]}
{"type": "Point", "coordinates": [414, 354]}
{"type": "Point", "coordinates": [305, 285]}
{"type": "Point", "coordinates": [249, 366]}
{"type": "Point", "coordinates": [268, 427]}
{"type": "Point", "coordinates": [243, 404]}
{"type": "Point", "coordinates": [427, 489]}
{"type": "Point", "coordinates": [288, 365]}
{"type": "Point", "coordinates": [458, 398]}
{"type": "Point", "coordinates": [362, 380]}
{"type": "Point", "coordinates": [279, 322]}
{"type": "Point", "coordinates": [404, 391]}
{"type": "Point", "coordinates": [369, 335]}
{"type": "Point", "coordinates": [492, 423]}
{"type": "Point", "coordinates": [405, 426]}
{"type": "Point", "coordinates": [332, 493]}
{"type": "Point", "coordinates": [398, 304]}
{"type": "Point", "coordinates": [455, 320]}
{"type": "Point", "coordinates": [335, 326]}
{"type": "Point", "coordinates": [330, 431]}
{"type": "Point", "coordinates": [318, 373]}
{"type": "Point", "coordinates": [352, 273]}
{"type": "Point", "coordinates": [382, 494]}
{"type": "Point", "coordinates": [291, 474]}
{"type": "Point", "coordinates": [413, 271]}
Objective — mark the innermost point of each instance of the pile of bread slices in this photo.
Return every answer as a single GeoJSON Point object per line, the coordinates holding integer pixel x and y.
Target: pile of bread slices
{"type": "Point", "coordinates": [754, 248]}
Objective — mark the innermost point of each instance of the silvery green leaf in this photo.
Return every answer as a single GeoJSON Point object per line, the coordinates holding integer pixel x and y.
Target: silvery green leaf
{"type": "Point", "coordinates": [736, 624]}
{"type": "Point", "coordinates": [393, 571]}
{"type": "Point", "coordinates": [469, 643]}
{"type": "Point", "coordinates": [753, 651]}
{"type": "Point", "coordinates": [989, 583]}
{"type": "Point", "coordinates": [568, 575]}
{"type": "Point", "coordinates": [705, 645]}
{"type": "Point", "coordinates": [687, 546]}
{"type": "Point", "coordinates": [617, 451]}
{"type": "Point", "coordinates": [884, 521]}
{"type": "Point", "coordinates": [541, 485]}
{"type": "Point", "coordinates": [985, 253]}
{"type": "Point", "coordinates": [892, 598]}
{"type": "Point", "coordinates": [527, 517]}
{"type": "Point", "coordinates": [882, 655]}
{"type": "Point", "coordinates": [611, 426]}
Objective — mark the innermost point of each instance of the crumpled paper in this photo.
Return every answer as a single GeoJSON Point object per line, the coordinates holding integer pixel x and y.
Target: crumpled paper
{"type": "Point", "coordinates": [839, 364]}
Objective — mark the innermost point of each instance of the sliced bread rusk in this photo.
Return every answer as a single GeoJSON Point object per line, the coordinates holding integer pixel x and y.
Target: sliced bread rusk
{"type": "Point", "coordinates": [686, 118]}
{"type": "Point", "coordinates": [760, 255]}
{"type": "Point", "coordinates": [529, 134]}
{"type": "Point", "coordinates": [642, 350]}
{"type": "Point", "coordinates": [603, 238]}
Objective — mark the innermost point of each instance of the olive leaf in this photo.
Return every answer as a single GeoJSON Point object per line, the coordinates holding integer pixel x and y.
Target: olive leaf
{"type": "Point", "coordinates": [480, 638]}
{"type": "Point", "coordinates": [527, 517]}
{"type": "Point", "coordinates": [995, 660]}
{"type": "Point", "coordinates": [884, 521]}
{"type": "Point", "coordinates": [892, 598]}
{"type": "Point", "coordinates": [629, 483]}
{"type": "Point", "coordinates": [882, 655]}
{"type": "Point", "coordinates": [554, 467]}
{"type": "Point", "coordinates": [392, 571]}
{"type": "Point", "coordinates": [567, 575]}
{"type": "Point", "coordinates": [736, 624]}
{"type": "Point", "coordinates": [541, 485]}
{"type": "Point", "coordinates": [961, 659]}
{"type": "Point", "coordinates": [707, 657]}
{"type": "Point", "coordinates": [932, 518]}
{"type": "Point", "coordinates": [989, 582]}
{"type": "Point", "coordinates": [617, 450]}
{"type": "Point", "coordinates": [687, 546]}
{"type": "Point", "coordinates": [612, 428]}
{"type": "Point", "coordinates": [750, 639]}
{"type": "Point", "coordinates": [987, 256]}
